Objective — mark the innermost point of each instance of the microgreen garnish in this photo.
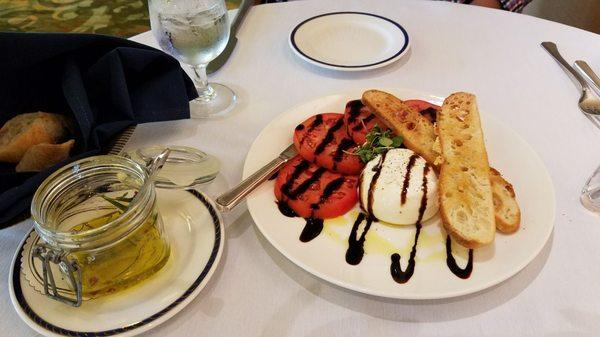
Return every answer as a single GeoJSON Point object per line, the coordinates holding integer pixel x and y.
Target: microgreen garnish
{"type": "Point", "coordinates": [378, 142]}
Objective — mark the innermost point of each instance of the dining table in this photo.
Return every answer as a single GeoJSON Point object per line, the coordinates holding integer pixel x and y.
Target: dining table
{"type": "Point", "coordinates": [256, 291]}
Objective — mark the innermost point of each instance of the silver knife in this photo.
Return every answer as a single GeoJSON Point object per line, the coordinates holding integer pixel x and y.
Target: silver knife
{"type": "Point", "coordinates": [229, 199]}
{"type": "Point", "coordinates": [218, 62]}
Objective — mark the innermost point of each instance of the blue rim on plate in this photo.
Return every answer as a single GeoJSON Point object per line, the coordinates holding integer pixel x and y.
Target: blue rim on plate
{"type": "Point", "coordinates": [295, 46]}
{"type": "Point", "coordinates": [58, 330]}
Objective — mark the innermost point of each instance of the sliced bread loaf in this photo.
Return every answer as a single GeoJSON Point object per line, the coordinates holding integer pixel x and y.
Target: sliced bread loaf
{"type": "Point", "coordinates": [466, 202]}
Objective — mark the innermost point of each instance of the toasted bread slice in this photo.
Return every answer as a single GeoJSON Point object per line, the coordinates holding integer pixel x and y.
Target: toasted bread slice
{"type": "Point", "coordinates": [41, 156]}
{"type": "Point", "coordinates": [417, 131]}
{"type": "Point", "coordinates": [466, 202]}
{"type": "Point", "coordinates": [507, 212]}
{"type": "Point", "coordinates": [25, 130]}
{"type": "Point", "coordinates": [389, 109]}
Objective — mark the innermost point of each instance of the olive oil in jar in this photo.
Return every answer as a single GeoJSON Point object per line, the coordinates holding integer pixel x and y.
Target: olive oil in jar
{"type": "Point", "coordinates": [126, 262]}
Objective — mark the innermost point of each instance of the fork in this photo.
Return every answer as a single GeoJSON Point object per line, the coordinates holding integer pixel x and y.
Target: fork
{"type": "Point", "coordinates": [593, 79]}
{"type": "Point", "coordinates": [589, 103]}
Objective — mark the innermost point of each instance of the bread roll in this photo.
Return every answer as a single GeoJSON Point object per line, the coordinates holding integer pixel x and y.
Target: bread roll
{"type": "Point", "coordinates": [25, 130]}
{"type": "Point", "coordinates": [41, 156]}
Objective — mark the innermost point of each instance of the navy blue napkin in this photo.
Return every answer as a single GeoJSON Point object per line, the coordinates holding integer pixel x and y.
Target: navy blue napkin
{"type": "Point", "coordinates": [103, 83]}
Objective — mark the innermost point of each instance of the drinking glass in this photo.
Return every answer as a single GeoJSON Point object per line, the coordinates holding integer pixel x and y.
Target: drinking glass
{"type": "Point", "coordinates": [590, 196]}
{"type": "Point", "coordinates": [195, 32]}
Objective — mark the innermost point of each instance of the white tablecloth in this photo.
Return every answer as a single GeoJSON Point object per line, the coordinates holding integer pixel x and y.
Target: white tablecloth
{"type": "Point", "coordinates": [257, 292]}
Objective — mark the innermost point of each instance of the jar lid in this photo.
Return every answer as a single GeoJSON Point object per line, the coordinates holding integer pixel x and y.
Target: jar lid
{"type": "Point", "coordinates": [185, 167]}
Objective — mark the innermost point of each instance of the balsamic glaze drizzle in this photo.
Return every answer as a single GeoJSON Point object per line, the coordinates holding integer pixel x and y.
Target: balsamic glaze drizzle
{"type": "Point", "coordinates": [286, 210]}
{"type": "Point", "coordinates": [356, 250]}
{"type": "Point", "coordinates": [338, 155]}
{"type": "Point", "coordinates": [312, 229]}
{"type": "Point", "coordinates": [315, 123]}
{"type": "Point", "coordinates": [377, 170]}
{"type": "Point", "coordinates": [463, 273]}
{"type": "Point", "coordinates": [409, 166]}
{"type": "Point", "coordinates": [344, 145]}
{"type": "Point", "coordinates": [329, 136]}
{"type": "Point", "coordinates": [305, 185]}
{"type": "Point", "coordinates": [368, 118]}
{"type": "Point", "coordinates": [399, 275]}
{"type": "Point", "coordinates": [313, 226]}
{"type": "Point", "coordinates": [355, 107]}
{"type": "Point", "coordinates": [274, 176]}
{"type": "Point", "coordinates": [331, 188]}
{"type": "Point", "coordinates": [301, 167]}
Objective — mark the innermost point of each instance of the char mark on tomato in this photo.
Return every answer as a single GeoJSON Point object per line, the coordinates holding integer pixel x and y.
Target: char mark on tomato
{"type": "Point", "coordinates": [359, 121]}
{"type": "Point", "coordinates": [322, 139]}
{"type": "Point", "coordinates": [314, 192]}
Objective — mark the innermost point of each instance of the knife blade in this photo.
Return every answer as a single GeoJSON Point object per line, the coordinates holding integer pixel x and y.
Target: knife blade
{"type": "Point", "coordinates": [220, 60]}
{"type": "Point", "coordinates": [229, 199]}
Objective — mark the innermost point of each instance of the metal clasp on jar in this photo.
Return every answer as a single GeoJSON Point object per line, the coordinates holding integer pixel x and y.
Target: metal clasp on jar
{"type": "Point", "coordinates": [70, 268]}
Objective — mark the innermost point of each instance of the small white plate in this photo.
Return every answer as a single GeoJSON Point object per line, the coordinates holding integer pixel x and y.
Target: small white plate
{"type": "Point", "coordinates": [349, 41]}
{"type": "Point", "coordinates": [324, 256]}
{"type": "Point", "coordinates": [195, 231]}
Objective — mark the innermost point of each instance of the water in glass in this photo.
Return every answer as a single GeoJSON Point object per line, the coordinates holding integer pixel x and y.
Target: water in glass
{"type": "Point", "coordinates": [195, 32]}
{"type": "Point", "coordinates": [191, 33]}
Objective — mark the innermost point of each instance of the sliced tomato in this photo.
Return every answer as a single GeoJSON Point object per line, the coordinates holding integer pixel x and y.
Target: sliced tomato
{"type": "Point", "coordinates": [425, 108]}
{"type": "Point", "coordinates": [359, 121]}
{"type": "Point", "coordinates": [313, 191]}
{"type": "Point", "coordinates": [322, 139]}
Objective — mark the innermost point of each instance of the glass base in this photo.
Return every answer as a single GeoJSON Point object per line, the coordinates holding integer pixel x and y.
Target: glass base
{"type": "Point", "coordinates": [590, 196]}
{"type": "Point", "coordinates": [217, 101]}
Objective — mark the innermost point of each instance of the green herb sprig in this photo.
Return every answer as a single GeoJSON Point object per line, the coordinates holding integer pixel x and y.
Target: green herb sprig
{"type": "Point", "coordinates": [378, 142]}
{"type": "Point", "coordinates": [118, 202]}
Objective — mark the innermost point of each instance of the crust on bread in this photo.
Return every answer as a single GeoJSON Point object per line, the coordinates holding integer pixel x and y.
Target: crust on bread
{"type": "Point", "coordinates": [507, 212]}
{"type": "Point", "coordinates": [466, 202]}
{"type": "Point", "coordinates": [405, 121]}
{"type": "Point", "coordinates": [41, 156]}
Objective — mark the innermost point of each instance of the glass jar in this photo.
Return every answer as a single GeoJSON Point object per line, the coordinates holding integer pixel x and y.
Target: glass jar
{"type": "Point", "coordinates": [185, 167]}
{"type": "Point", "coordinates": [98, 220]}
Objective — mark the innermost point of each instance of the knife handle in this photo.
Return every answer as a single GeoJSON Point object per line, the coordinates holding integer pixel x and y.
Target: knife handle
{"type": "Point", "coordinates": [230, 199]}
{"type": "Point", "coordinates": [553, 51]}
{"type": "Point", "coordinates": [244, 7]}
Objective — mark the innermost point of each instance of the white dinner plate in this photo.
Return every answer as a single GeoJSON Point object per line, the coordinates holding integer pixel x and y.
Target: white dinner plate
{"type": "Point", "coordinates": [324, 256]}
{"type": "Point", "coordinates": [195, 231]}
{"type": "Point", "coordinates": [349, 41]}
